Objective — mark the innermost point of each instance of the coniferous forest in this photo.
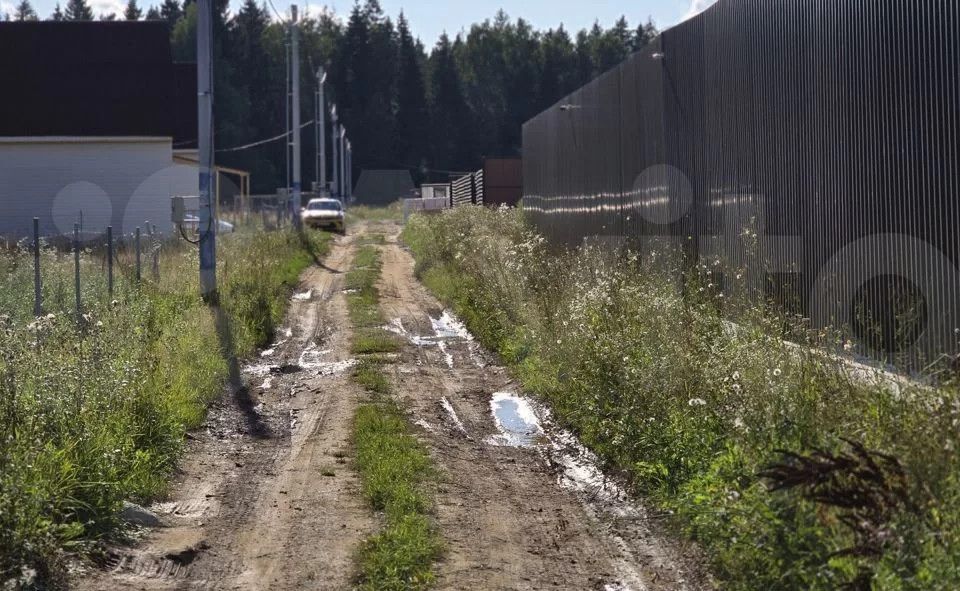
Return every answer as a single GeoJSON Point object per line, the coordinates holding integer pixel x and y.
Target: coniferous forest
{"type": "Point", "coordinates": [431, 106]}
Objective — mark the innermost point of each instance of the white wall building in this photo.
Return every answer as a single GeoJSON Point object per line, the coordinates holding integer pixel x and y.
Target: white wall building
{"type": "Point", "coordinates": [92, 181]}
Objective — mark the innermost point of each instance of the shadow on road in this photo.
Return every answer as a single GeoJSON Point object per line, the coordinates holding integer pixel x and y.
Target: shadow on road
{"type": "Point", "coordinates": [241, 394]}
{"type": "Point", "coordinates": [308, 246]}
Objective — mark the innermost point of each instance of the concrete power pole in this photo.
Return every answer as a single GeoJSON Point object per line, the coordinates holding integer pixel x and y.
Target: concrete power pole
{"type": "Point", "coordinates": [207, 225]}
{"type": "Point", "coordinates": [335, 170]}
{"type": "Point", "coordinates": [321, 133]}
{"type": "Point", "coordinates": [295, 74]}
{"type": "Point", "coordinates": [349, 171]}
{"type": "Point", "coordinates": [343, 165]}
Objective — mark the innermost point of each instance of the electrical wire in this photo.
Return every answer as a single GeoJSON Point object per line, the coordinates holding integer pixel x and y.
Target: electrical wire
{"type": "Point", "coordinates": [266, 141]}
{"type": "Point", "coordinates": [275, 11]}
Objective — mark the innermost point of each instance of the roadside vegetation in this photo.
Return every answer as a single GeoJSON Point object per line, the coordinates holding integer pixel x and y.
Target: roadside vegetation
{"type": "Point", "coordinates": [93, 411]}
{"type": "Point", "coordinates": [394, 467]}
{"type": "Point", "coordinates": [791, 471]}
{"type": "Point", "coordinates": [363, 302]}
{"type": "Point", "coordinates": [392, 212]}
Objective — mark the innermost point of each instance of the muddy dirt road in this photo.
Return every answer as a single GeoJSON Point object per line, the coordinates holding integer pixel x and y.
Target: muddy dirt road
{"type": "Point", "coordinates": [266, 497]}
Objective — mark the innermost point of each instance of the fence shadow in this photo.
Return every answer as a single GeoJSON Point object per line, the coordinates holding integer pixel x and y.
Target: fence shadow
{"type": "Point", "coordinates": [239, 390]}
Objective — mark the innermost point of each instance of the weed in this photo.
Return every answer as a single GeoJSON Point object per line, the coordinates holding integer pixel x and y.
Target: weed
{"type": "Point", "coordinates": [374, 340]}
{"type": "Point", "coordinates": [392, 212]}
{"type": "Point", "coordinates": [393, 467]}
{"type": "Point", "coordinates": [369, 375]}
{"type": "Point", "coordinates": [654, 380]}
{"type": "Point", "coordinates": [94, 413]}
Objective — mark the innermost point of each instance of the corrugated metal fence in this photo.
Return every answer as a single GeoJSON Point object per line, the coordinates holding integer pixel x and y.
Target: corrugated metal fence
{"type": "Point", "coordinates": [808, 148]}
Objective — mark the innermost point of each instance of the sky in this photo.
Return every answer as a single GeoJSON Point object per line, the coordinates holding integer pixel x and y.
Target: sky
{"type": "Point", "coordinates": [429, 18]}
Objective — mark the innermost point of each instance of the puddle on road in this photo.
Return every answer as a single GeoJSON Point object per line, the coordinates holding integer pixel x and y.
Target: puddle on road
{"type": "Point", "coordinates": [516, 421]}
{"type": "Point", "coordinates": [453, 415]}
{"type": "Point", "coordinates": [303, 296]}
{"type": "Point", "coordinates": [447, 328]}
{"type": "Point", "coordinates": [310, 359]}
{"type": "Point", "coordinates": [520, 422]}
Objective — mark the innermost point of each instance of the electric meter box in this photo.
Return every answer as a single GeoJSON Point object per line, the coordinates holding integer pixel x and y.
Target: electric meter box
{"type": "Point", "coordinates": [180, 205]}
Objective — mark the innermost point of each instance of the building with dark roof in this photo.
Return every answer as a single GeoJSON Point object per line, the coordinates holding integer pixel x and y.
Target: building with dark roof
{"type": "Point", "coordinates": [91, 115]}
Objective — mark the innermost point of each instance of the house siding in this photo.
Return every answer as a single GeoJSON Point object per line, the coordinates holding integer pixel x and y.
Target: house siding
{"type": "Point", "coordinates": [118, 181]}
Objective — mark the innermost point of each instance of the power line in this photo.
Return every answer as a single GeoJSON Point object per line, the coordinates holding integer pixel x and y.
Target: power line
{"type": "Point", "coordinates": [266, 141]}
{"type": "Point", "coordinates": [275, 11]}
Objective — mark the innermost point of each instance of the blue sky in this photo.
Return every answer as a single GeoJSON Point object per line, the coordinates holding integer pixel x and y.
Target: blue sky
{"type": "Point", "coordinates": [429, 18]}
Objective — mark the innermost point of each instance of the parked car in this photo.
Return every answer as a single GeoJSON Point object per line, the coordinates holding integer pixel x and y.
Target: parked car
{"type": "Point", "coordinates": [191, 223]}
{"type": "Point", "coordinates": [323, 213]}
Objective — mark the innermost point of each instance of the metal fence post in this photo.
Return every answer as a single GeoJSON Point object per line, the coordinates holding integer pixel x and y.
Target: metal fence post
{"type": "Point", "coordinates": [76, 267]}
{"type": "Point", "coordinates": [136, 246]}
{"type": "Point", "coordinates": [110, 261]}
{"type": "Point", "coordinates": [37, 296]}
{"type": "Point", "coordinates": [156, 260]}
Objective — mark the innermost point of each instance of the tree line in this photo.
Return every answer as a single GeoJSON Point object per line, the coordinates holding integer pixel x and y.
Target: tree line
{"type": "Point", "coordinates": [433, 111]}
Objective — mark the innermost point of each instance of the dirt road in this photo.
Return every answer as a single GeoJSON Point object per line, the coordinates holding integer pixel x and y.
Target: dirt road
{"type": "Point", "coordinates": [267, 499]}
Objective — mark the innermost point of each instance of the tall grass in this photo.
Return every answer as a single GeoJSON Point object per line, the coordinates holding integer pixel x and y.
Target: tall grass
{"type": "Point", "coordinates": [790, 470]}
{"type": "Point", "coordinates": [93, 411]}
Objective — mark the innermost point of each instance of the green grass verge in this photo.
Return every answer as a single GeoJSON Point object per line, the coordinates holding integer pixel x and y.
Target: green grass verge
{"type": "Point", "coordinates": [368, 373]}
{"type": "Point", "coordinates": [393, 469]}
{"type": "Point", "coordinates": [96, 414]}
{"type": "Point", "coordinates": [363, 299]}
{"type": "Point", "coordinates": [374, 340]}
{"type": "Point", "coordinates": [659, 387]}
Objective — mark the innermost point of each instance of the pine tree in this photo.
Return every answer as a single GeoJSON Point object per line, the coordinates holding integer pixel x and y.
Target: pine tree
{"type": "Point", "coordinates": [25, 12]}
{"type": "Point", "coordinates": [78, 10]}
{"type": "Point", "coordinates": [449, 112]}
{"type": "Point", "coordinates": [132, 12]}
{"type": "Point", "coordinates": [153, 14]}
{"type": "Point", "coordinates": [171, 12]}
{"type": "Point", "coordinates": [645, 34]}
{"type": "Point", "coordinates": [57, 13]}
{"type": "Point", "coordinates": [108, 17]}
{"type": "Point", "coordinates": [412, 115]}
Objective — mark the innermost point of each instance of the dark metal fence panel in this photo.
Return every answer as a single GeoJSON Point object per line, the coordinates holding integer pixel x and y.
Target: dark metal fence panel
{"type": "Point", "coordinates": [805, 152]}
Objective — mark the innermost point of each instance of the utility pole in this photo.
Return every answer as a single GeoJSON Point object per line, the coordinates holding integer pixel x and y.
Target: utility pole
{"type": "Point", "coordinates": [335, 170]}
{"type": "Point", "coordinates": [321, 133]}
{"type": "Point", "coordinates": [343, 165]}
{"type": "Point", "coordinates": [349, 171]}
{"type": "Point", "coordinates": [207, 225]}
{"type": "Point", "coordinates": [286, 109]}
{"type": "Point", "coordinates": [295, 74]}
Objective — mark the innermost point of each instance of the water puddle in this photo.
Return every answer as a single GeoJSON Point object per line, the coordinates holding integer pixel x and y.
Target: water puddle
{"type": "Point", "coordinates": [453, 415]}
{"type": "Point", "coordinates": [516, 421]}
{"type": "Point", "coordinates": [422, 423]}
{"type": "Point", "coordinates": [447, 328]}
{"type": "Point", "coordinates": [520, 422]}
{"type": "Point", "coordinates": [310, 359]}
{"type": "Point", "coordinates": [303, 296]}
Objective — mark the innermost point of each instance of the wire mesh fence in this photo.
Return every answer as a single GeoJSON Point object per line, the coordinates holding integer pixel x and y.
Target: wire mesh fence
{"type": "Point", "coordinates": [806, 151]}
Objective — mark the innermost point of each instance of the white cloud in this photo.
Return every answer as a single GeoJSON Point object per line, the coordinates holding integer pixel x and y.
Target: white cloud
{"type": "Point", "coordinates": [7, 9]}
{"type": "Point", "coordinates": [106, 7]}
{"type": "Point", "coordinates": [698, 6]}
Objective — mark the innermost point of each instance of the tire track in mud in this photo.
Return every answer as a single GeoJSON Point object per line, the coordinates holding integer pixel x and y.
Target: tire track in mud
{"type": "Point", "coordinates": [537, 516]}
{"type": "Point", "coordinates": [251, 506]}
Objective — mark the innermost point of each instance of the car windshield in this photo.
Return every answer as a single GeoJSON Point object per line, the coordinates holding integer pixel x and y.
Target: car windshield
{"type": "Point", "coordinates": [324, 205]}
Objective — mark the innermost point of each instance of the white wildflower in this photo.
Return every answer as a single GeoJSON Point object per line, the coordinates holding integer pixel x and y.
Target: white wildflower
{"type": "Point", "coordinates": [696, 402]}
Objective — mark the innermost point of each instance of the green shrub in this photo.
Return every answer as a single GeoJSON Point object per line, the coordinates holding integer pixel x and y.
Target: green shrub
{"type": "Point", "coordinates": [94, 412]}
{"type": "Point", "coordinates": [693, 408]}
